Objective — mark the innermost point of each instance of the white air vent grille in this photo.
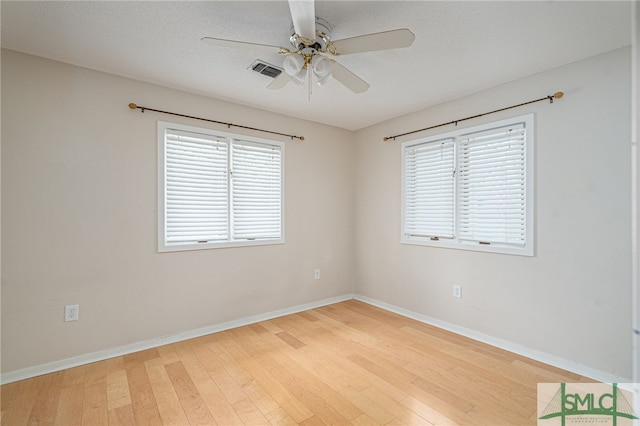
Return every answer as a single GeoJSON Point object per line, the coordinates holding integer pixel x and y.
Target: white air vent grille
{"type": "Point", "coordinates": [265, 68]}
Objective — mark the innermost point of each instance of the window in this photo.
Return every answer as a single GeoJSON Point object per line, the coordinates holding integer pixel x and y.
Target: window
{"type": "Point", "coordinates": [471, 189]}
{"type": "Point", "coordinates": [217, 189]}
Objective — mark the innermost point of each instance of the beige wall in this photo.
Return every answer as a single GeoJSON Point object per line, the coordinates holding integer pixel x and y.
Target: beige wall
{"type": "Point", "coordinates": [79, 218]}
{"type": "Point", "coordinates": [572, 299]}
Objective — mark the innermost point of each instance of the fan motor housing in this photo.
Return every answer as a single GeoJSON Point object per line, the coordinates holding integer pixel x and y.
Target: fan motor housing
{"type": "Point", "coordinates": [323, 33]}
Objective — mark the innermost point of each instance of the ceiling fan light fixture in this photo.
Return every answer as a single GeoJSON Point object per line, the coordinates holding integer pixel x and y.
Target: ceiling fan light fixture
{"type": "Point", "coordinates": [298, 78]}
{"type": "Point", "coordinates": [321, 81]}
{"type": "Point", "coordinates": [321, 66]}
{"type": "Point", "coordinates": [293, 64]}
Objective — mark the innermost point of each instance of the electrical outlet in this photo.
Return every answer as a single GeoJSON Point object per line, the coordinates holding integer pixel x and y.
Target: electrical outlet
{"type": "Point", "coordinates": [457, 291]}
{"type": "Point", "coordinates": [316, 274]}
{"type": "Point", "coordinates": [71, 312]}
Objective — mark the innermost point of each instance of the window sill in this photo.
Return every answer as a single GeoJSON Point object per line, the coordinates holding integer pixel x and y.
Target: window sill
{"type": "Point", "coordinates": [472, 246]}
{"type": "Point", "coordinates": [162, 248]}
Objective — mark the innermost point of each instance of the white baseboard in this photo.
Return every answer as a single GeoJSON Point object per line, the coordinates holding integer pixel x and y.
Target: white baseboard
{"type": "Point", "coordinates": [63, 364]}
{"type": "Point", "coordinates": [561, 363]}
{"type": "Point", "coordinates": [564, 364]}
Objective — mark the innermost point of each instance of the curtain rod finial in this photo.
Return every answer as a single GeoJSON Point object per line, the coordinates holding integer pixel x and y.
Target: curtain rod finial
{"type": "Point", "coordinates": [558, 95]}
{"type": "Point", "coordinates": [301, 138]}
{"type": "Point", "coordinates": [133, 106]}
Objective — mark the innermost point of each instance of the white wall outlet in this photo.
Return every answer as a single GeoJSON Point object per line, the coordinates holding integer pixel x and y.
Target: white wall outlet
{"type": "Point", "coordinates": [316, 274]}
{"type": "Point", "coordinates": [457, 291]}
{"type": "Point", "coordinates": [71, 312]}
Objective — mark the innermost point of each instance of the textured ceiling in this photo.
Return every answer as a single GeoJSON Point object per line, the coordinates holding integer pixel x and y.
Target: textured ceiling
{"type": "Point", "coordinates": [460, 47]}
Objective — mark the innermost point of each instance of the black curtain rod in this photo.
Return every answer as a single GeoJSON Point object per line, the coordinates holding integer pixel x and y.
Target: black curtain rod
{"type": "Point", "coordinates": [556, 95]}
{"type": "Point", "coordinates": [143, 109]}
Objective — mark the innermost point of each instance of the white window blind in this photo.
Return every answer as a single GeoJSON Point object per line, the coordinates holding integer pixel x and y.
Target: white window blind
{"type": "Point", "coordinates": [196, 188]}
{"type": "Point", "coordinates": [429, 189]}
{"type": "Point", "coordinates": [256, 188]}
{"type": "Point", "coordinates": [492, 186]}
{"type": "Point", "coordinates": [216, 190]}
{"type": "Point", "coordinates": [471, 188]}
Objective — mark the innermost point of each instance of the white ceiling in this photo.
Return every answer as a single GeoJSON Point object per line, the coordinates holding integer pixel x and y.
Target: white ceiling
{"type": "Point", "coordinates": [460, 47]}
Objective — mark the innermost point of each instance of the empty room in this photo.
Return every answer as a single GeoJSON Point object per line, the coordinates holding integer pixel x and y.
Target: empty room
{"type": "Point", "coordinates": [318, 212]}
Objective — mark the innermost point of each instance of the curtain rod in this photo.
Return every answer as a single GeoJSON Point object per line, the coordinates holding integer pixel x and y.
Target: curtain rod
{"type": "Point", "coordinates": [556, 95]}
{"type": "Point", "coordinates": [143, 109]}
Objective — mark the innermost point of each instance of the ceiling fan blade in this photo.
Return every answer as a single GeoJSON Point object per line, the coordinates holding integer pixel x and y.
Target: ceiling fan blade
{"type": "Point", "coordinates": [220, 42]}
{"type": "Point", "coordinates": [377, 41]}
{"type": "Point", "coordinates": [279, 82]}
{"type": "Point", "coordinates": [303, 15]}
{"type": "Point", "coordinates": [348, 79]}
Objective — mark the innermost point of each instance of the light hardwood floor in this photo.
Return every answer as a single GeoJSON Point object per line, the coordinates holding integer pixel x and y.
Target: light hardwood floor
{"type": "Point", "coordinates": [347, 363]}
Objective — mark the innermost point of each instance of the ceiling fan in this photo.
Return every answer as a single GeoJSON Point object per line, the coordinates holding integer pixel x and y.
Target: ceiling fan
{"type": "Point", "coordinates": [313, 50]}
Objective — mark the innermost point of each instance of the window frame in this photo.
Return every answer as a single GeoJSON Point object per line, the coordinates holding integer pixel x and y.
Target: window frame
{"type": "Point", "coordinates": [229, 139]}
{"type": "Point", "coordinates": [528, 249]}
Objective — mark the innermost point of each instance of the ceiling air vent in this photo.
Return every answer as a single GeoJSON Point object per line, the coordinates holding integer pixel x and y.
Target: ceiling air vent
{"type": "Point", "coordinates": [265, 69]}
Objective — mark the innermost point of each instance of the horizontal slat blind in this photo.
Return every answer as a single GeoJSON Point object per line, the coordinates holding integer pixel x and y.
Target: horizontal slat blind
{"type": "Point", "coordinates": [492, 186]}
{"type": "Point", "coordinates": [196, 188]}
{"type": "Point", "coordinates": [256, 191]}
{"type": "Point", "coordinates": [217, 190]}
{"type": "Point", "coordinates": [429, 189]}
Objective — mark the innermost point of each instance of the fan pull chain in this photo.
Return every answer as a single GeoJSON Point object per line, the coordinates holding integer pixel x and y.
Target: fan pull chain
{"type": "Point", "coordinates": [309, 82]}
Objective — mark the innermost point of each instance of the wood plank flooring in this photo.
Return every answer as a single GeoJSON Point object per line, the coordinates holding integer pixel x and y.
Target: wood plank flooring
{"type": "Point", "coordinates": [347, 363]}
